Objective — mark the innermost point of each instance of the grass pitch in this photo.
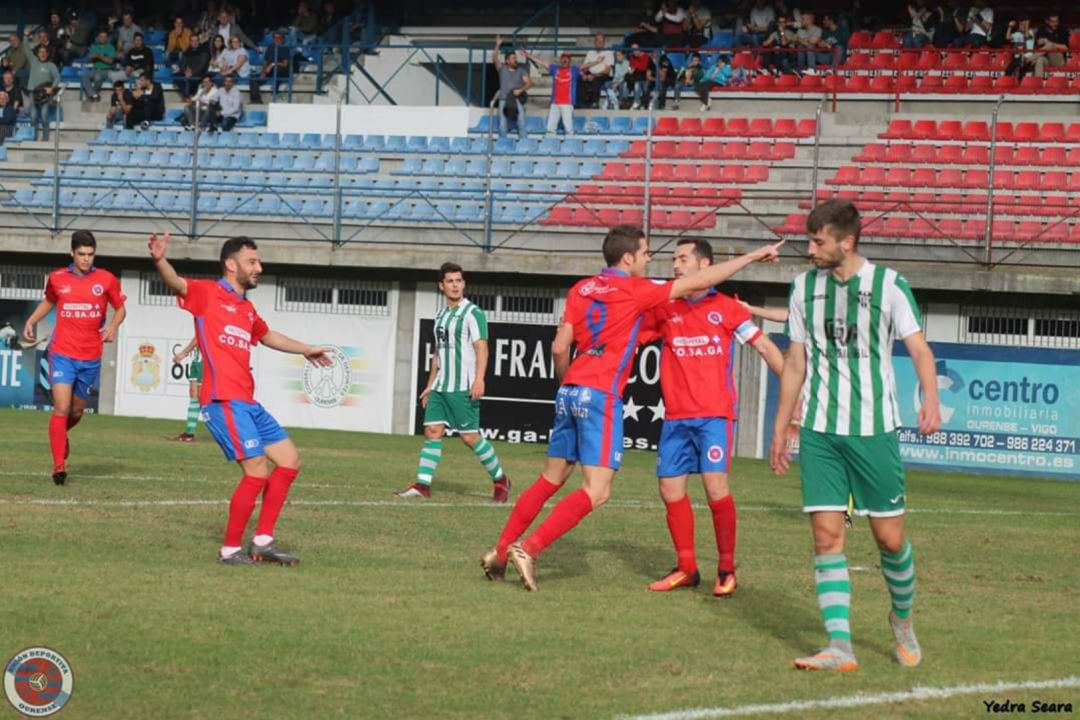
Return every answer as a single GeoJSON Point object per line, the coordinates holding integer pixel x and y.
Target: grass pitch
{"type": "Point", "coordinates": [389, 616]}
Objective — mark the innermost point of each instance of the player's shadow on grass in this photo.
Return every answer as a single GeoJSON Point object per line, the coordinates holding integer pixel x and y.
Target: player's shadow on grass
{"type": "Point", "coordinates": [778, 614]}
{"type": "Point", "coordinates": [647, 561]}
{"type": "Point", "coordinates": [564, 561]}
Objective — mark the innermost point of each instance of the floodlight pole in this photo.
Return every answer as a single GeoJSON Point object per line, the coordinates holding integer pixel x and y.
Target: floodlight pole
{"type": "Point", "coordinates": [193, 217]}
{"type": "Point", "coordinates": [646, 220]}
{"type": "Point", "coordinates": [337, 177]}
{"type": "Point", "coordinates": [56, 163]}
{"type": "Point", "coordinates": [990, 181]}
{"type": "Point", "coordinates": [817, 150]}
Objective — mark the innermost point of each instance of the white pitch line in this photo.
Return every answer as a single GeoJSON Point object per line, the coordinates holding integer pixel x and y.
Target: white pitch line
{"type": "Point", "coordinates": [916, 694]}
{"type": "Point", "coordinates": [157, 478]}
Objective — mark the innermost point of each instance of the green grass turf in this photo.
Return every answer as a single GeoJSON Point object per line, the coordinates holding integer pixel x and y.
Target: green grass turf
{"type": "Point", "coordinates": [389, 615]}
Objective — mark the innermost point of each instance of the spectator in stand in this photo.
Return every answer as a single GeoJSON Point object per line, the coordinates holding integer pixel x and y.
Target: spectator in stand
{"type": "Point", "coordinates": [617, 93]}
{"type": "Point", "coordinates": [514, 84]}
{"type": "Point", "coordinates": [178, 42]}
{"type": "Point", "coordinates": [276, 69]}
{"type": "Point", "coordinates": [59, 35]}
{"type": "Point", "coordinates": [780, 41]}
{"type": "Point", "coordinates": [43, 41]}
{"type": "Point", "coordinates": [698, 24]}
{"type": "Point", "coordinates": [149, 102]}
{"type": "Point", "coordinates": [44, 83]}
{"type": "Point", "coordinates": [306, 23]}
{"type": "Point", "coordinates": [234, 60]}
{"type": "Point", "coordinates": [719, 75]}
{"type": "Point", "coordinates": [808, 40]}
{"type": "Point", "coordinates": [204, 107]}
{"type": "Point", "coordinates": [329, 17]}
{"type": "Point", "coordinates": [642, 74]}
{"type": "Point", "coordinates": [647, 31]}
{"type": "Point", "coordinates": [564, 87]}
{"type": "Point", "coordinates": [1022, 38]}
{"type": "Point", "coordinates": [15, 59]}
{"type": "Point", "coordinates": [1054, 41]}
{"type": "Point", "coordinates": [217, 46]}
{"type": "Point", "coordinates": [921, 32]}
{"type": "Point", "coordinates": [951, 24]}
{"type": "Point", "coordinates": [139, 58]}
{"type": "Point", "coordinates": [671, 20]}
{"type": "Point", "coordinates": [81, 34]}
{"type": "Point", "coordinates": [8, 116]}
{"type": "Point", "coordinates": [227, 27]}
{"type": "Point", "coordinates": [667, 79]}
{"type": "Point", "coordinates": [125, 34]}
{"type": "Point", "coordinates": [10, 85]}
{"type": "Point", "coordinates": [204, 25]}
{"type": "Point", "coordinates": [690, 75]}
{"type": "Point", "coordinates": [120, 104]}
{"type": "Point", "coordinates": [979, 25]}
{"type": "Point", "coordinates": [230, 103]}
{"type": "Point", "coordinates": [757, 27]}
{"type": "Point", "coordinates": [102, 61]}
{"type": "Point", "coordinates": [194, 63]}
{"type": "Point", "coordinates": [596, 72]}
{"type": "Point", "coordinates": [835, 37]}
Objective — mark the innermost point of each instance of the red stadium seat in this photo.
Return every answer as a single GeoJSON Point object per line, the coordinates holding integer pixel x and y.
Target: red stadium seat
{"type": "Point", "coordinates": [950, 228]}
{"type": "Point", "coordinates": [783, 150]}
{"type": "Point", "coordinates": [949, 130]}
{"type": "Point", "coordinates": [763, 82]}
{"type": "Point", "coordinates": [688, 150]}
{"type": "Point", "coordinates": [1006, 179]}
{"type": "Point", "coordinates": [883, 62]}
{"type": "Point", "coordinates": [732, 174]}
{"type": "Point", "coordinates": [873, 227]}
{"type": "Point", "coordinates": [636, 150]}
{"type": "Point", "coordinates": [806, 127]}
{"type": "Point", "coordinates": [1026, 131]}
{"type": "Point", "coordinates": [811, 83]}
{"type": "Point", "coordinates": [1003, 155]}
{"type": "Point", "coordinates": [950, 178]}
{"type": "Point", "coordinates": [976, 130]}
{"type": "Point", "coordinates": [856, 62]}
{"type": "Point", "coordinates": [1074, 42]}
{"type": "Point", "coordinates": [929, 60]}
{"type": "Point", "coordinates": [1003, 230]}
{"type": "Point", "coordinates": [924, 201]}
{"type": "Point", "coordinates": [845, 175]}
{"type": "Point", "coordinates": [896, 227]}
{"type": "Point", "coordinates": [666, 126]}
{"type": "Point", "coordinates": [882, 84]}
{"type": "Point", "coordinates": [983, 61]}
{"type": "Point", "coordinates": [931, 84]}
{"type": "Point", "coordinates": [924, 130]}
{"type": "Point", "coordinates": [955, 62]}
{"type": "Point", "coordinates": [1056, 205]}
{"type": "Point", "coordinates": [899, 153]}
{"type": "Point", "coordinates": [1025, 180]}
{"type": "Point", "coordinates": [614, 171]}
{"type": "Point", "coordinates": [973, 229]}
{"type": "Point", "coordinates": [898, 177]}
{"type": "Point", "coordinates": [956, 84]}
{"type": "Point", "coordinates": [787, 82]}
{"type": "Point", "coordinates": [1031, 84]}
{"type": "Point", "coordinates": [1073, 158]}
{"type": "Point", "coordinates": [784, 127]}
{"type": "Point", "coordinates": [690, 126]}
{"type": "Point", "coordinates": [1052, 132]}
{"type": "Point", "coordinates": [860, 40]}
{"type": "Point", "coordinates": [663, 149]}
{"type": "Point", "coordinates": [871, 200]}
{"type": "Point", "coordinates": [735, 150]}
{"type": "Point", "coordinates": [710, 173]}
{"type": "Point", "coordinates": [950, 202]}
{"type": "Point", "coordinates": [635, 172]}
{"type": "Point", "coordinates": [713, 126]}
{"type": "Point", "coordinates": [737, 127]}
{"type": "Point", "coordinates": [759, 150]}
{"type": "Point", "coordinates": [857, 84]}
{"type": "Point", "coordinates": [760, 127]}
{"type": "Point", "coordinates": [661, 172]}
{"type": "Point", "coordinates": [981, 84]}
{"type": "Point", "coordinates": [1055, 180]}
{"type": "Point", "coordinates": [1024, 155]}
{"type": "Point", "coordinates": [633, 216]}
{"type": "Point", "coordinates": [1004, 131]}
{"type": "Point", "coordinates": [584, 217]}
{"type": "Point", "coordinates": [757, 173]}
{"type": "Point", "coordinates": [923, 177]}
{"type": "Point", "coordinates": [950, 154]}
{"type": "Point", "coordinates": [1056, 85]}
{"type": "Point", "coordinates": [794, 224]}
{"type": "Point", "coordinates": [872, 153]}
{"type": "Point", "coordinates": [608, 217]}
{"type": "Point", "coordinates": [922, 228]}
{"type": "Point", "coordinates": [884, 40]}
{"type": "Point", "coordinates": [686, 172]}
{"type": "Point", "coordinates": [909, 60]}
{"type": "Point", "coordinates": [1056, 232]}
{"type": "Point", "coordinates": [1005, 83]}
{"type": "Point", "coordinates": [559, 215]}
{"type": "Point", "coordinates": [907, 84]}
{"type": "Point", "coordinates": [712, 150]}
{"type": "Point", "coordinates": [1072, 134]}
{"type": "Point", "coordinates": [872, 176]}
{"type": "Point", "coordinates": [976, 178]}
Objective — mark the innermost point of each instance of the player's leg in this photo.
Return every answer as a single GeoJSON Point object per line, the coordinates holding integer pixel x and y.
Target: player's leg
{"type": "Point", "coordinates": [675, 458]}
{"type": "Point", "coordinates": [58, 442]}
{"type": "Point", "coordinates": [193, 410]}
{"type": "Point", "coordinates": [467, 416]}
{"type": "Point", "coordinates": [878, 486]}
{"type": "Point", "coordinates": [286, 459]}
{"type": "Point", "coordinates": [714, 439]}
{"type": "Point", "coordinates": [825, 487]}
{"type": "Point", "coordinates": [437, 416]}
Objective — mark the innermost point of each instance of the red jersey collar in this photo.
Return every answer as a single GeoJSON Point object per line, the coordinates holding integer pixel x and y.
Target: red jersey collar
{"type": "Point", "coordinates": [225, 284]}
{"type": "Point", "coordinates": [71, 269]}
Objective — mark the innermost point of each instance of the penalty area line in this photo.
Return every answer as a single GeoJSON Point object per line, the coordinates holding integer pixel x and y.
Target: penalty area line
{"type": "Point", "coordinates": [915, 694]}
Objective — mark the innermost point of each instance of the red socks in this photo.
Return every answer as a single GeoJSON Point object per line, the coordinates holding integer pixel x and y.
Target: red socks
{"type": "Point", "coordinates": [724, 522]}
{"type": "Point", "coordinates": [680, 522]}
{"type": "Point", "coordinates": [58, 439]}
{"type": "Point", "coordinates": [568, 513]}
{"type": "Point", "coordinates": [528, 506]}
{"type": "Point", "coordinates": [277, 489]}
{"type": "Point", "coordinates": [241, 507]}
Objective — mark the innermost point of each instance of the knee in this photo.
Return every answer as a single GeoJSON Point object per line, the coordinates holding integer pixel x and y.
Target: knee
{"type": "Point", "coordinates": [891, 543]}
{"type": "Point", "coordinates": [470, 439]}
{"type": "Point", "coordinates": [598, 494]}
{"type": "Point", "coordinates": [670, 492]}
{"type": "Point", "coordinates": [62, 407]}
{"type": "Point", "coordinates": [828, 541]}
{"type": "Point", "coordinates": [433, 432]}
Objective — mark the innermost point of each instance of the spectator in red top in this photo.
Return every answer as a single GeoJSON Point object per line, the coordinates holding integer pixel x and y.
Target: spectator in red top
{"type": "Point", "coordinates": [641, 75]}
{"type": "Point", "coordinates": [564, 85]}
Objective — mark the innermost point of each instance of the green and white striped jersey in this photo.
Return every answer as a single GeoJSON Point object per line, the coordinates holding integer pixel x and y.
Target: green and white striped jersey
{"type": "Point", "coordinates": [848, 331]}
{"type": "Point", "coordinates": [456, 329]}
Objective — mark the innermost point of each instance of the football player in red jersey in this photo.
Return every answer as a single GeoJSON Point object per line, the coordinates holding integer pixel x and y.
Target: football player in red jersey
{"type": "Point", "coordinates": [226, 327]}
{"type": "Point", "coordinates": [81, 294]}
{"type": "Point", "coordinates": [603, 318]}
{"type": "Point", "coordinates": [699, 333]}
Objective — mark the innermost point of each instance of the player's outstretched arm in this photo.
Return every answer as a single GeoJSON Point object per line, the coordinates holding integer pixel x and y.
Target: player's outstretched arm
{"type": "Point", "coordinates": [316, 355]}
{"type": "Point", "coordinates": [560, 349]}
{"type": "Point", "coordinates": [791, 380]}
{"type": "Point", "coordinates": [779, 315]}
{"type": "Point", "coordinates": [159, 245]}
{"type": "Point", "coordinates": [771, 354]}
{"type": "Point", "coordinates": [716, 274]}
{"type": "Point", "coordinates": [922, 357]}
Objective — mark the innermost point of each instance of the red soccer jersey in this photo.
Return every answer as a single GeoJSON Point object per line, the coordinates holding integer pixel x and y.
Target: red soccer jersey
{"type": "Point", "coordinates": [695, 365]}
{"type": "Point", "coordinates": [80, 302]}
{"type": "Point", "coordinates": [226, 326]}
{"type": "Point", "coordinates": [607, 312]}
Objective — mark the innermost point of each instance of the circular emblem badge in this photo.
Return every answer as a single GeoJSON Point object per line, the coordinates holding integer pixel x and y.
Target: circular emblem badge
{"type": "Point", "coordinates": [328, 386]}
{"type": "Point", "coordinates": [98, 290]}
{"type": "Point", "coordinates": [715, 318]}
{"type": "Point", "coordinates": [38, 681]}
{"type": "Point", "coordinates": [716, 454]}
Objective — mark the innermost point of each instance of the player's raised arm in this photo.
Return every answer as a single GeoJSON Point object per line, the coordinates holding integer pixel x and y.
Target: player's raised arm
{"type": "Point", "coordinates": [277, 341]}
{"type": "Point", "coordinates": [158, 247]}
{"type": "Point", "coordinates": [922, 357]}
{"type": "Point", "coordinates": [560, 349]}
{"type": "Point", "coordinates": [715, 274]}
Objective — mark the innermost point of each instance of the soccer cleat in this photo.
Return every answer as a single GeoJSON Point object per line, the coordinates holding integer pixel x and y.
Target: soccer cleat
{"type": "Point", "coordinates": [59, 475]}
{"type": "Point", "coordinates": [183, 437]}
{"type": "Point", "coordinates": [725, 585]}
{"type": "Point", "coordinates": [676, 579]}
{"type": "Point", "coordinates": [500, 490]}
{"type": "Point", "coordinates": [525, 564]}
{"type": "Point", "coordinates": [828, 659]}
{"type": "Point", "coordinates": [237, 558]}
{"type": "Point", "coordinates": [493, 569]}
{"type": "Point", "coordinates": [907, 650]}
{"type": "Point", "coordinates": [415, 490]}
{"type": "Point", "coordinates": [270, 553]}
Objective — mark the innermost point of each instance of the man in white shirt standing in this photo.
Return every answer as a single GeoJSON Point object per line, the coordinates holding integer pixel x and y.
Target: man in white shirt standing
{"type": "Point", "coordinates": [596, 72]}
{"type": "Point", "coordinates": [205, 104]}
{"type": "Point", "coordinates": [230, 103]}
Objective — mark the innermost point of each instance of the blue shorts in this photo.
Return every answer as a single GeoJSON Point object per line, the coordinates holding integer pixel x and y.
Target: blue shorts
{"type": "Point", "coordinates": [241, 429]}
{"type": "Point", "coordinates": [80, 374]}
{"type": "Point", "coordinates": [694, 445]}
{"type": "Point", "coordinates": [588, 427]}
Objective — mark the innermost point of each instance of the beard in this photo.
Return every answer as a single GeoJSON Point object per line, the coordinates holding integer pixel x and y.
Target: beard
{"type": "Point", "coordinates": [248, 282]}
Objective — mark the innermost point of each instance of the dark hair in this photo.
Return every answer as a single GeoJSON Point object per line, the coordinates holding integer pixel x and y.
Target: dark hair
{"type": "Point", "coordinates": [147, 75]}
{"type": "Point", "coordinates": [448, 267]}
{"type": "Point", "coordinates": [702, 248]}
{"type": "Point", "coordinates": [233, 245]}
{"type": "Point", "coordinates": [83, 238]}
{"type": "Point", "coordinates": [137, 35]}
{"type": "Point", "coordinates": [620, 240]}
{"type": "Point", "coordinates": [840, 215]}
{"type": "Point", "coordinates": [118, 84]}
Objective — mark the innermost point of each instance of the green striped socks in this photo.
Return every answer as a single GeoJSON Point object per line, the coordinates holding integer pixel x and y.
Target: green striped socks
{"type": "Point", "coordinates": [834, 598]}
{"type": "Point", "coordinates": [899, 571]}
{"type": "Point", "coordinates": [192, 416]}
{"type": "Point", "coordinates": [485, 453]}
{"type": "Point", "coordinates": [430, 455]}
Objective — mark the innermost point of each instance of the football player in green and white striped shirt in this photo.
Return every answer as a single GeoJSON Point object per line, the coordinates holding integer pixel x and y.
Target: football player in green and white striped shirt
{"type": "Point", "coordinates": [455, 385]}
{"type": "Point", "coordinates": [842, 320]}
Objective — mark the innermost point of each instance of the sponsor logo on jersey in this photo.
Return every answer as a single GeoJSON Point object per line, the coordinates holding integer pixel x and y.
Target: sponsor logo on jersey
{"type": "Point", "coordinates": [714, 317]}
{"type": "Point", "coordinates": [63, 290]}
{"type": "Point", "coordinates": [237, 332]}
{"type": "Point", "coordinates": [251, 444]}
{"type": "Point", "coordinates": [38, 681]}
{"type": "Point", "coordinates": [685, 341]}
{"type": "Point", "coordinates": [98, 290]}
{"type": "Point", "coordinates": [328, 386]}
{"type": "Point", "coordinates": [594, 288]}
{"type": "Point", "coordinates": [715, 453]}
{"type": "Point", "coordinates": [228, 308]}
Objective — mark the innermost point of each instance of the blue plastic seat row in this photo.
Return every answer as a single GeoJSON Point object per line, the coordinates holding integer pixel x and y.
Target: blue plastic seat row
{"type": "Point", "coordinates": [592, 125]}
{"type": "Point", "coordinates": [181, 159]}
{"type": "Point", "coordinates": [500, 167]}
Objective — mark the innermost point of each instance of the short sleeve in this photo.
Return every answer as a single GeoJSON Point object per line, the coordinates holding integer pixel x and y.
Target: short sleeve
{"type": "Point", "coordinates": [50, 290]}
{"type": "Point", "coordinates": [197, 297]}
{"type": "Point", "coordinates": [259, 328]}
{"type": "Point", "coordinates": [479, 325]}
{"type": "Point", "coordinates": [738, 321]}
{"type": "Point", "coordinates": [116, 295]}
{"type": "Point", "coordinates": [903, 310]}
{"type": "Point", "coordinates": [651, 293]}
{"type": "Point", "coordinates": [796, 321]}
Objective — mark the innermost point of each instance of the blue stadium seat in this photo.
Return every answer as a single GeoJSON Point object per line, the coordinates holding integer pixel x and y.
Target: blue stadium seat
{"type": "Point", "coordinates": [368, 165]}
{"type": "Point", "coordinates": [123, 200]}
{"type": "Point", "coordinates": [290, 140]}
{"type": "Point", "coordinates": [617, 147]}
{"type": "Point", "coordinates": [255, 118]}
{"type": "Point", "coordinates": [283, 161]}
{"type": "Point", "coordinates": [24, 196]}
{"type": "Point", "coordinates": [470, 212]}
{"type": "Point", "coordinates": [476, 168]}
{"type": "Point", "coordinates": [455, 166]}
{"type": "Point", "coordinates": [206, 202]}
{"type": "Point", "coordinates": [439, 144]}
{"type": "Point", "coordinates": [269, 140]}
{"type": "Point", "coordinates": [520, 168]}
{"type": "Point", "coordinates": [146, 138]}
{"type": "Point", "coordinates": [321, 182]}
{"type": "Point", "coordinates": [622, 124]}
{"type": "Point", "coordinates": [315, 208]}
{"type": "Point", "coordinates": [478, 146]}
{"type": "Point", "coordinates": [597, 124]}
{"type": "Point", "coordinates": [116, 157]}
{"type": "Point", "coordinates": [325, 163]}
{"type": "Point", "coordinates": [548, 146]}
{"type": "Point", "coordinates": [350, 163]}
{"type": "Point", "coordinates": [353, 143]}
{"type": "Point", "coordinates": [503, 146]}
{"type": "Point", "coordinates": [304, 162]}
{"type": "Point", "coordinates": [534, 125]}
{"type": "Point", "coordinates": [81, 155]}
{"type": "Point", "coordinates": [431, 166]}
{"type": "Point", "coordinates": [329, 142]}
{"type": "Point", "coordinates": [411, 166]}
{"type": "Point", "coordinates": [460, 145]}
{"type": "Point", "coordinates": [311, 141]}
{"type": "Point", "coordinates": [173, 115]}
{"type": "Point", "coordinates": [212, 140]}
{"type": "Point", "coordinates": [590, 169]}
{"type": "Point", "coordinates": [353, 209]}
{"type": "Point", "coordinates": [262, 161]}
{"type": "Point", "coordinates": [242, 160]}
{"type": "Point", "coordinates": [514, 214]}
{"type": "Point", "coordinates": [168, 138]}
{"type": "Point", "coordinates": [226, 203]}
{"type": "Point", "coordinates": [395, 143]}
{"type": "Point", "coordinates": [526, 146]}
{"type": "Point", "coordinates": [545, 169]}
{"type": "Point", "coordinates": [220, 160]}
{"type": "Point", "coordinates": [378, 210]}
{"type": "Point", "coordinates": [533, 213]}
{"type": "Point", "coordinates": [25, 132]}
{"type": "Point", "coordinates": [573, 147]}
{"type": "Point", "coordinates": [107, 136]}
{"type": "Point", "coordinates": [417, 143]}
{"type": "Point", "coordinates": [641, 125]}
{"type": "Point", "coordinates": [500, 167]}
{"type": "Point", "coordinates": [594, 148]}
{"type": "Point", "coordinates": [375, 143]}
{"type": "Point", "coordinates": [422, 210]}
{"type": "Point", "coordinates": [579, 124]}
{"type": "Point", "coordinates": [138, 158]}
{"type": "Point", "coordinates": [567, 169]}
{"type": "Point", "coordinates": [159, 158]}
{"type": "Point", "coordinates": [244, 140]}
{"type": "Point", "coordinates": [482, 126]}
